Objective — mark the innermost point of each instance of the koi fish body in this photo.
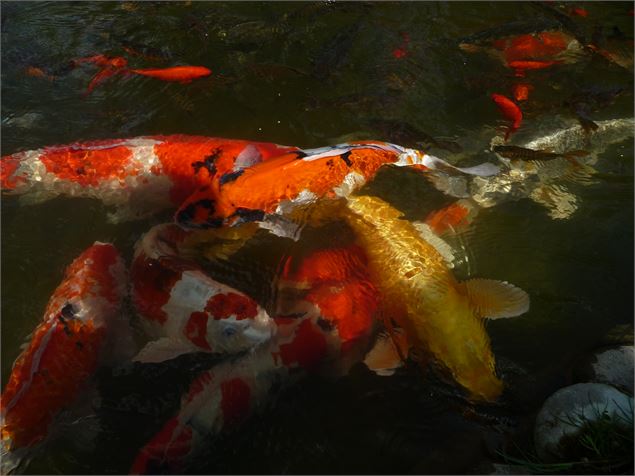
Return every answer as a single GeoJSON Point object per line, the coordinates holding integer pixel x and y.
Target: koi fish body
{"type": "Point", "coordinates": [440, 316]}
{"type": "Point", "coordinates": [299, 178]}
{"type": "Point", "coordinates": [139, 176]}
{"type": "Point", "coordinates": [187, 309]}
{"type": "Point", "coordinates": [336, 315]}
{"type": "Point", "coordinates": [64, 350]}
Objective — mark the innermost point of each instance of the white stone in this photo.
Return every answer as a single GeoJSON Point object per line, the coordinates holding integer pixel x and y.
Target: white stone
{"type": "Point", "coordinates": [566, 411]}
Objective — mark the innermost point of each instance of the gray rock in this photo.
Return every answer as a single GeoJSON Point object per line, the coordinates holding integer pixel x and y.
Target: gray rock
{"type": "Point", "coordinates": [564, 414]}
{"type": "Point", "coordinates": [614, 366]}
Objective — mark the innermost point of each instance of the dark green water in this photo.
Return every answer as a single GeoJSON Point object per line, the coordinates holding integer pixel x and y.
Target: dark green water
{"type": "Point", "coordinates": [307, 74]}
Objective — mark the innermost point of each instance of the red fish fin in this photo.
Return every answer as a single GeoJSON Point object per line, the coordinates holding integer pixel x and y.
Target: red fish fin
{"type": "Point", "coordinates": [100, 78]}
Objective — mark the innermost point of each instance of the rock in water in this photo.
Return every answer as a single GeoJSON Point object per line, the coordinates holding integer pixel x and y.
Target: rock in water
{"type": "Point", "coordinates": [564, 415]}
{"type": "Point", "coordinates": [613, 365]}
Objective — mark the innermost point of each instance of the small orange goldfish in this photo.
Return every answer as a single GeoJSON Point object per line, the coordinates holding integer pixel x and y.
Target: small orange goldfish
{"type": "Point", "coordinates": [181, 74]}
{"type": "Point", "coordinates": [510, 110]}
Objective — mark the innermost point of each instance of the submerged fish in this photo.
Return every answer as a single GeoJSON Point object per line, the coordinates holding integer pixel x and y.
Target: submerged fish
{"type": "Point", "coordinates": [510, 110]}
{"type": "Point", "coordinates": [64, 350]}
{"type": "Point", "coordinates": [544, 181]}
{"type": "Point", "coordinates": [541, 40]}
{"type": "Point", "coordinates": [184, 307]}
{"type": "Point", "coordinates": [278, 187]}
{"type": "Point", "coordinates": [439, 315]}
{"type": "Point", "coordinates": [324, 329]}
{"type": "Point", "coordinates": [181, 74]}
{"type": "Point", "coordinates": [139, 176]}
{"type": "Point", "coordinates": [523, 153]}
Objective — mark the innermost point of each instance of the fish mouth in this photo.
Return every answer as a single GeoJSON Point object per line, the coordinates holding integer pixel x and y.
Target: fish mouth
{"type": "Point", "coordinates": [262, 329]}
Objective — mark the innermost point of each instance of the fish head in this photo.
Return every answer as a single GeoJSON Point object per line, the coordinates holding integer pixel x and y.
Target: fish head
{"type": "Point", "coordinates": [246, 327]}
{"type": "Point", "coordinates": [466, 351]}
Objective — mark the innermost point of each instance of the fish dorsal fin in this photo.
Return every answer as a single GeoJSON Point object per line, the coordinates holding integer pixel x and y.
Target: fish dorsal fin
{"type": "Point", "coordinates": [430, 237]}
{"type": "Point", "coordinates": [496, 299]}
{"type": "Point", "coordinates": [384, 358]}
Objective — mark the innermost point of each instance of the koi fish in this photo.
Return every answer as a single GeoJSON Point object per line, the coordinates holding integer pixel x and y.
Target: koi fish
{"type": "Point", "coordinates": [526, 41]}
{"type": "Point", "coordinates": [185, 308]}
{"type": "Point", "coordinates": [337, 316]}
{"type": "Point", "coordinates": [289, 182]}
{"type": "Point", "coordinates": [139, 176]}
{"type": "Point", "coordinates": [181, 74]}
{"type": "Point", "coordinates": [64, 350]}
{"type": "Point", "coordinates": [511, 112]}
{"type": "Point", "coordinates": [440, 315]}
{"type": "Point", "coordinates": [522, 153]}
{"type": "Point", "coordinates": [521, 91]}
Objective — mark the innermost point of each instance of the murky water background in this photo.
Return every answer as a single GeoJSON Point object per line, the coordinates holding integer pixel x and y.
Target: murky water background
{"type": "Point", "coordinates": [307, 74]}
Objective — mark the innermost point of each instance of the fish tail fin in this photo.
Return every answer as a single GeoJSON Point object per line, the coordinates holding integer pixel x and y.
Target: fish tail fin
{"type": "Point", "coordinates": [494, 299]}
{"type": "Point", "coordinates": [485, 169]}
{"type": "Point", "coordinates": [166, 450]}
{"type": "Point", "coordinates": [100, 77]}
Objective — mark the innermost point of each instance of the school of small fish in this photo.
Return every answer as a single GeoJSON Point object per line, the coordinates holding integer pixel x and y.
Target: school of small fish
{"type": "Point", "coordinates": [388, 296]}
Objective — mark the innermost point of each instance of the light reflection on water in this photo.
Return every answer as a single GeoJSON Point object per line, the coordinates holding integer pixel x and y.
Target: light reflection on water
{"type": "Point", "coordinates": [265, 58]}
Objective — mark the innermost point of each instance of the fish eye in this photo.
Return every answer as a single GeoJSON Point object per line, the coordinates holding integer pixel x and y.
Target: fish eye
{"type": "Point", "coordinates": [229, 331]}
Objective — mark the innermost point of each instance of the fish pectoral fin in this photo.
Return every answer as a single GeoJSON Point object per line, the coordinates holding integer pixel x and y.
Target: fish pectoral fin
{"type": "Point", "coordinates": [496, 299]}
{"type": "Point", "coordinates": [163, 349]}
{"type": "Point", "coordinates": [385, 356]}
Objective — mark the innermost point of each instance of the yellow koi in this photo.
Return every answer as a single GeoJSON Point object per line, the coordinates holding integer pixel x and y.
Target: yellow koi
{"type": "Point", "coordinates": [440, 315]}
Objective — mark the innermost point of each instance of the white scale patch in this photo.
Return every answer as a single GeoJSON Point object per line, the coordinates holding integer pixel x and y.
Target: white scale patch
{"type": "Point", "coordinates": [351, 182]}
{"type": "Point", "coordinates": [189, 294]}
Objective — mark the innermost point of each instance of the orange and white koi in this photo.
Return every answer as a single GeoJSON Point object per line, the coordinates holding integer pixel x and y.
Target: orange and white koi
{"type": "Point", "coordinates": [185, 308]}
{"type": "Point", "coordinates": [140, 175]}
{"type": "Point", "coordinates": [64, 350]}
{"type": "Point", "coordinates": [279, 186]}
{"type": "Point", "coordinates": [340, 304]}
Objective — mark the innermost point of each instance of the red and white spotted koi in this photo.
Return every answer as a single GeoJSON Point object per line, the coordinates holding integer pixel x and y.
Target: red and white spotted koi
{"type": "Point", "coordinates": [185, 308]}
{"type": "Point", "coordinates": [140, 175]}
{"type": "Point", "coordinates": [278, 186]}
{"type": "Point", "coordinates": [64, 350]}
{"type": "Point", "coordinates": [341, 303]}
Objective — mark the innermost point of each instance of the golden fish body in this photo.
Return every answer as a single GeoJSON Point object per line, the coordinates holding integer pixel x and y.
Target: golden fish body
{"type": "Point", "coordinates": [422, 295]}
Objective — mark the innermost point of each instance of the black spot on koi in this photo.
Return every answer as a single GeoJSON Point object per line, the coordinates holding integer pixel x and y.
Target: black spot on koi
{"type": "Point", "coordinates": [346, 158]}
{"type": "Point", "coordinates": [231, 176]}
{"type": "Point", "coordinates": [208, 162]}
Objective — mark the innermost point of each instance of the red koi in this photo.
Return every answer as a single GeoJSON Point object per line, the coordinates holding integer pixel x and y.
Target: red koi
{"type": "Point", "coordinates": [580, 12]}
{"type": "Point", "coordinates": [521, 91]}
{"type": "Point", "coordinates": [140, 175]}
{"type": "Point", "coordinates": [511, 112]}
{"type": "Point", "coordinates": [103, 61]}
{"type": "Point", "coordinates": [343, 307]}
{"type": "Point", "coordinates": [65, 348]}
{"type": "Point", "coordinates": [181, 74]}
{"type": "Point", "coordinates": [190, 311]}
{"type": "Point", "coordinates": [402, 50]}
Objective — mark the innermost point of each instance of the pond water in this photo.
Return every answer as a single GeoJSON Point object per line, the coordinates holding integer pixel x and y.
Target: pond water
{"type": "Point", "coordinates": [314, 74]}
